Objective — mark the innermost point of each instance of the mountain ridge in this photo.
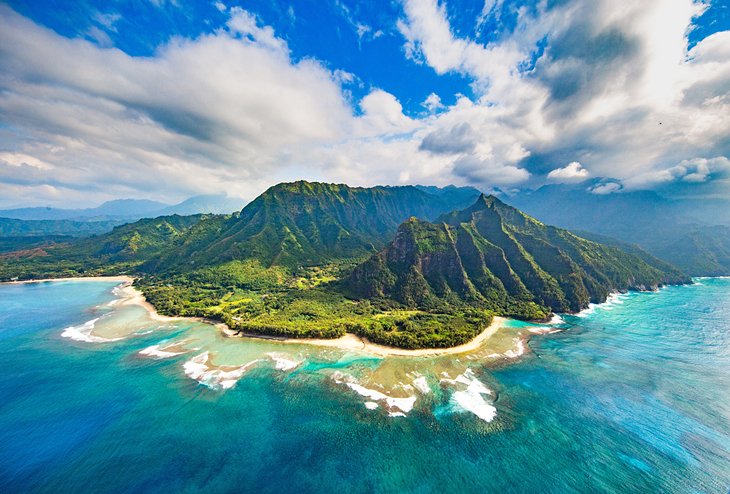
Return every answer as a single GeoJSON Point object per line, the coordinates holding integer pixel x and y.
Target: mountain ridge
{"type": "Point", "coordinates": [494, 256]}
{"type": "Point", "coordinates": [317, 260]}
{"type": "Point", "coordinates": [302, 222]}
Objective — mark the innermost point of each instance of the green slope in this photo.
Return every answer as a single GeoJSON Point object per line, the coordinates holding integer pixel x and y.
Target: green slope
{"type": "Point", "coordinates": [494, 256]}
{"type": "Point", "coordinates": [123, 249]}
{"type": "Point", "coordinates": [308, 223]}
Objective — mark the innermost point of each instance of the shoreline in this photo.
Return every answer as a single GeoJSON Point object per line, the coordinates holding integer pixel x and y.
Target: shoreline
{"type": "Point", "coordinates": [354, 342]}
{"type": "Point", "coordinates": [121, 278]}
{"type": "Point", "coordinates": [129, 295]}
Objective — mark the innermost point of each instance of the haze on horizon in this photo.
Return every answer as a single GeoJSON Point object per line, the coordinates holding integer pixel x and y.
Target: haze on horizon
{"type": "Point", "coordinates": [163, 100]}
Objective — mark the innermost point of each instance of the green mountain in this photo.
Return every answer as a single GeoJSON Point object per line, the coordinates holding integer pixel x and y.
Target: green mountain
{"type": "Point", "coordinates": [318, 260]}
{"type": "Point", "coordinates": [121, 250]}
{"type": "Point", "coordinates": [305, 223]}
{"type": "Point", "coordinates": [290, 224]}
{"type": "Point", "coordinates": [492, 255]}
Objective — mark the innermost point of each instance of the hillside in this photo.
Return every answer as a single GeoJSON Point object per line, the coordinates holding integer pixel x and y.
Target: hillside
{"type": "Point", "coordinates": [121, 250]}
{"type": "Point", "coordinates": [304, 223]}
{"type": "Point", "coordinates": [691, 234]}
{"type": "Point", "coordinates": [494, 256]}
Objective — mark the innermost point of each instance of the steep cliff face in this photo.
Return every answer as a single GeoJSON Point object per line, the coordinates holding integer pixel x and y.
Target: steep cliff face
{"type": "Point", "coordinates": [494, 256]}
{"type": "Point", "coordinates": [305, 223]}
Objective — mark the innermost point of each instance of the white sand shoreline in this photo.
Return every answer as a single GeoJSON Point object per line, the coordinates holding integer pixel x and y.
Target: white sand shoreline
{"type": "Point", "coordinates": [129, 295]}
{"type": "Point", "coordinates": [357, 343]}
{"type": "Point", "coordinates": [122, 278]}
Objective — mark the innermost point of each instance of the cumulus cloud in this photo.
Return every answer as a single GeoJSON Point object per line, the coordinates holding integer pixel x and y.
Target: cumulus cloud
{"type": "Point", "coordinates": [616, 88]}
{"type": "Point", "coordinates": [695, 170]}
{"type": "Point", "coordinates": [432, 103]}
{"type": "Point", "coordinates": [485, 171]}
{"type": "Point", "coordinates": [572, 172]}
{"type": "Point", "coordinates": [211, 113]}
{"type": "Point", "coordinates": [383, 114]}
{"type": "Point", "coordinates": [612, 90]}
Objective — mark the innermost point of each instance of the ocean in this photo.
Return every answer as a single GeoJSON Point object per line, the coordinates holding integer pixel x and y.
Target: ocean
{"type": "Point", "coordinates": [628, 396]}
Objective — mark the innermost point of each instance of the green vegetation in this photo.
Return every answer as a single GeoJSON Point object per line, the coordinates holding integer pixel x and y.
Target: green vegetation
{"type": "Point", "coordinates": [307, 224]}
{"type": "Point", "coordinates": [274, 301]}
{"type": "Point", "coordinates": [121, 251]}
{"type": "Point", "coordinates": [302, 260]}
{"type": "Point", "coordinates": [493, 256]}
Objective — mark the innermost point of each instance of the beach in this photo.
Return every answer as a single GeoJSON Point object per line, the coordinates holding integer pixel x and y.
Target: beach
{"type": "Point", "coordinates": [357, 343]}
{"type": "Point", "coordinates": [129, 295]}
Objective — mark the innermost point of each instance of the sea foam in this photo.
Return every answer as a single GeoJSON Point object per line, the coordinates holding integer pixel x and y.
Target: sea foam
{"type": "Point", "coordinates": [615, 298]}
{"type": "Point", "coordinates": [282, 363]}
{"type": "Point", "coordinates": [421, 384]}
{"type": "Point", "coordinates": [158, 351]}
{"type": "Point", "coordinates": [471, 398]}
{"type": "Point", "coordinates": [83, 333]}
{"type": "Point", "coordinates": [518, 351]}
{"type": "Point", "coordinates": [197, 368]}
{"type": "Point", "coordinates": [396, 407]}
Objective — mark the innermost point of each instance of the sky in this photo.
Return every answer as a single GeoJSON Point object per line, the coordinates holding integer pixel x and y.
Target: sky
{"type": "Point", "coordinates": [164, 99]}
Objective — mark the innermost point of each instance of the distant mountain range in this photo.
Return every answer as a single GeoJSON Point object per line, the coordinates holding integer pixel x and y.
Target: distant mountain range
{"type": "Point", "coordinates": [693, 235]}
{"type": "Point", "coordinates": [129, 209]}
{"type": "Point", "coordinates": [32, 227]}
{"type": "Point", "coordinates": [406, 266]}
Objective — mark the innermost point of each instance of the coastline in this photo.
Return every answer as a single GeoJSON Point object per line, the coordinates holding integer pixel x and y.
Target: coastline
{"type": "Point", "coordinates": [122, 278]}
{"type": "Point", "coordinates": [354, 342]}
{"type": "Point", "coordinates": [129, 295]}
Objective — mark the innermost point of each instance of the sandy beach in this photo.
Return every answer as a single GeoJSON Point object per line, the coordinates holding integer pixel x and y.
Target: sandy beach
{"type": "Point", "coordinates": [356, 343]}
{"type": "Point", "coordinates": [128, 295]}
{"type": "Point", "coordinates": [131, 296]}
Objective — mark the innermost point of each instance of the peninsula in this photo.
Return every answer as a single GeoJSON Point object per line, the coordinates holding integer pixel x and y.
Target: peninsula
{"type": "Point", "coordinates": [408, 267]}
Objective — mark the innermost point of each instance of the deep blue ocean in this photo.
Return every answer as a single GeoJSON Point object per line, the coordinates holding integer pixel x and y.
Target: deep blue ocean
{"type": "Point", "coordinates": [633, 396]}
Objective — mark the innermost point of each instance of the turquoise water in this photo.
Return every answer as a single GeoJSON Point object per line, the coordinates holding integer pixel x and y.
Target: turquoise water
{"type": "Point", "coordinates": [632, 397]}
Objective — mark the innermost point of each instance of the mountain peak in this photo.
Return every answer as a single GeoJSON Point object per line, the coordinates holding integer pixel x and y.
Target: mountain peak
{"type": "Point", "coordinates": [492, 255]}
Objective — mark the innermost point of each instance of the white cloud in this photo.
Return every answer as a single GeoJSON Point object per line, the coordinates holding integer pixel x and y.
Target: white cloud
{"type": "Point", "coordinates": [572, 172]}
{"type": "Point", "coordinates": [616, 90]}
{"type": "Point", "coordinates": [344, 77]}
{"type": "Point", "coordinates": [460, 138]}
{"type": "Point", "coordinates": [476, 169]}
{"type": "Point", "coordinates": [695, 170]}
{"type": "Point", "coordinates": [383, 114]}
{"type": "Point", "coordinates": [432, 103]}
{"type": "Point", "coordinates": [98, 35]}
{"type": "Point", "coordinates": [607, 188]}
{"type": "Point", "coordinates": [108, 20]}
{"type": "Point", "coordinates": [615, 87]}
{"type": "Point", "coordinates": [245, 24]}
{"type": "Point", "coordinates": [214, 113]}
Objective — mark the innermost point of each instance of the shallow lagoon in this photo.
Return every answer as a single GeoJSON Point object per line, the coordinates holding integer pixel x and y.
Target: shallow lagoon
{"type": "Point", "coordinates": [632, 396]}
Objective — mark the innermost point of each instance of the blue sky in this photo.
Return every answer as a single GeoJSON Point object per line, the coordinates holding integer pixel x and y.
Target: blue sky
{"type": "Point", "coordinates": [164, 99]}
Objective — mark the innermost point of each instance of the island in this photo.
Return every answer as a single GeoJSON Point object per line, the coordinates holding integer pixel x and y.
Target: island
{"type": "Point", "coordinates": [409, 267]}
